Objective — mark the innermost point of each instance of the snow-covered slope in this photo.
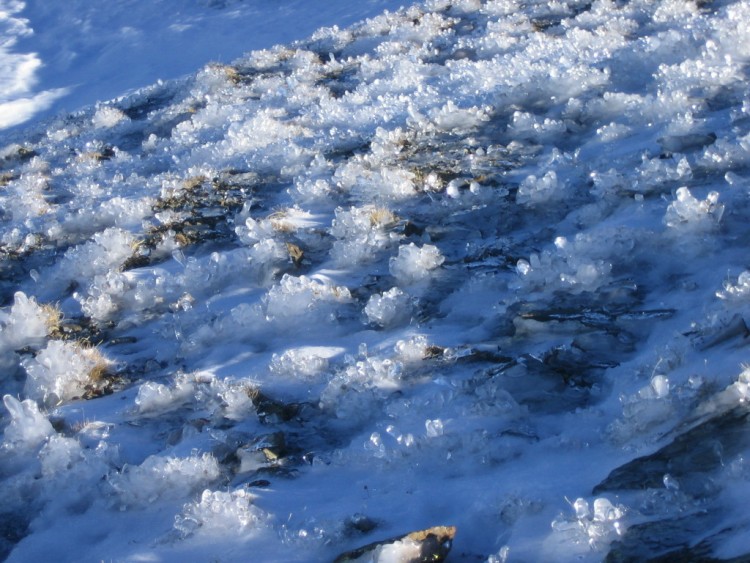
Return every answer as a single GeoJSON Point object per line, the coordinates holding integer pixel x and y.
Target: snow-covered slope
{"type": "Point", "coordinates": [71, 53]}
{"type": "Point", "coordinates": [471, 264]}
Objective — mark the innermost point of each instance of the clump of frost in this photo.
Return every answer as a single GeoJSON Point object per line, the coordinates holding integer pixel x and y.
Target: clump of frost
{"type": "Point", "coordinates": [387, 143]}
{"type": "Point", "coordinates": [220, 513]}
{"type": "Point", "coordinates": [412, 350]}
{"type": "Point", "coordinates": [108, 116]}
{"type": "Point", "coordinates": [434, 427]}
{"type": "Point", "coordinates": [304, 299]}
{"type": "Point", "coordinates": [104, 295]}
{"type": "Point", "coordinates": [59, 454]}
{"type": "Point", "coordinates": [256, 230]}
{"type": "Point", "coordinates": [237, 402]}
{"type": "Point", "coordinates": [242, 320]}
{"type": "Point", "coordinates": [72, 474]}
{"type": "Point", "coordinates": [306, 362]}
{"type": "Point", "coordinates": [311, 190]}
{"type": "Point", "coordinates": [741, 387]}
{"type": "Point", "coordinates": [108, 250]}
{"type": "Point", "coordinates": [62, 371]}
{"type": "Point", "coordinates": [156, 398]}
{"type": "Point", "coordinates": [28, 426]}
{"type": "Point", "coordinates": [351, 393]}
{"type": "Point", "coordinates": [655, 172]}
{"type": "Point", "coordinates": [501, 556]}
{"type": "Point", "coordinates": [736, 291]}
{"type": "Point", "coordinates": [384, 183]}
{"type": "Point", "coordinates": [525, 125]}
{"type": "Point", "coordinates": [26, 197]}
{"type": "Point", "coordinates": [658, 388]}
{"type": "Point", "coordinates": [115, 212]}
{"type": "Point", "coordinates": [597, 526]}
{"type": "Point", "coordinates": [650, 406]}
{"type": "Point", "coordinates": [27, 324]}
{"type": "Point", "coordinates": [381, 373]}
{"type": "Point", "coordinates": [266, 127]}
{"type": "Point", "coordinates": [265, 257]}
{"type": "Point", "coordinates": [361, 232]}
{"type": "Point", "coordinates": [116, 294]}
{"type": "Point", "coordinates": [257, 264]}
{"type": "Point", "coordinates": [163, 478]}
{"type": "Point", "coordinates": [690, 214]}
{"type": "Point", "coordinates": [734, 394]}
{"type": "Point", "coordinates": [727, 154]}
{"type": "Point", "coordinates": [577, 265]}
{"type": "Point", "coordinates": [534, 190]}
{"type": "Point", "coordinates": [388, 309]}
{"type": "Point", "coordinates": [222, 398]}
{"type": "Point", "coordinates": [406, 549]}
{"type": "Point", "coordinates": [457, 120]}
{"type": "Point", "coordinates": [613, 132]}
{"type": "Point", "coordinates": [414, 264]}
{"type": "Point", "coordinates": [610, 181]}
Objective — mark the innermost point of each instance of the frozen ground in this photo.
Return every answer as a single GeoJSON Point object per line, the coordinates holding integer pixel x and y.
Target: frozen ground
{"type": "Point", "coordinates": [471, 264]}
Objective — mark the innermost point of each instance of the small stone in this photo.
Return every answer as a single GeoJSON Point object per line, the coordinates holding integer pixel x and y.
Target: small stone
{"type": "Point", "coordinates": [430, 545]}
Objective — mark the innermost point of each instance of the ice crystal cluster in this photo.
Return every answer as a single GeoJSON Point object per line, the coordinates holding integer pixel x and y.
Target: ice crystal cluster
{"type": "Point", "coordinates": [449, 266]}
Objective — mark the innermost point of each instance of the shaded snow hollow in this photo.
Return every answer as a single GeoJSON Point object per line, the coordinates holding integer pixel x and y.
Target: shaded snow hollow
{"type": "Point", "coordinates": [472, 264]}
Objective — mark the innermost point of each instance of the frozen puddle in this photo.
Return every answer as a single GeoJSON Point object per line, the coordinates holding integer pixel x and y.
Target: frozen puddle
{"type": "Point", "coordinates": [472, 264]}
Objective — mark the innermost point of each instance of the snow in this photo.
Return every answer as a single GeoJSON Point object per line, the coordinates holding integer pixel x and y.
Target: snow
{"type": "Point", "coordinates": [295, 278]}
{"type": "Point", "coordinates": [65, 55]}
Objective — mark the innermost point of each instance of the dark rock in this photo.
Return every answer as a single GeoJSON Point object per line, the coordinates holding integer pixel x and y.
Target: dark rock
{"type": "Point", "coordinates": [431, 545]}
{"type": "Point", "coordinates": [271, 410]}
{"type": "Point", "coordinates": [259, 483]}
{"type": "Point", "coordinates": [13, 528]}
{"type": "Point", "coordinates": [735, 328]}
{"type": "Point", "coordinates": [686, 143]}
{"type": "Point", "coordinates": [360, 523]}
{"type": "Point", "coordinates": [684, 539]}
{"type": "Point", "coordinates": [16, 154]}
{"type": "Point", "coordinates": [689, 458]}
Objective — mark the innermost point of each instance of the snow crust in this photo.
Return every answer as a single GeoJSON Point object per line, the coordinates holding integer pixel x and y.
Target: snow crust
{"type": "Point", "coordinates": [469, 263]}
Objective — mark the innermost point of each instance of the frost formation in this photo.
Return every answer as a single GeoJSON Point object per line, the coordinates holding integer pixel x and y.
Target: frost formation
{"type": "Point", "coordinates": [458, 262]}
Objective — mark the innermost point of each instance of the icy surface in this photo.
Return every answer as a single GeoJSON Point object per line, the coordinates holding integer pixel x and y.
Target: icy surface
{"type": "Point", "coordinates": [469, 263]}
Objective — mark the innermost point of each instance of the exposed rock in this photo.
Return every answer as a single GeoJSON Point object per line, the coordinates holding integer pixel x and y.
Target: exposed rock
{"type": "Point", "coordinates": [359, 523]}
{"type": "Point", "coordinates": [674, 540]}
{"type": "Point", "coordinates": [13, 528]}
{"type": "Point", "coordinates": [689, 458]}
{"type": "Point", "coordinates": [428, 545]}
{"type": "Point", "coordinates": [270, 410]}
{"type": "Point", "coordinates": [686, 143]}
